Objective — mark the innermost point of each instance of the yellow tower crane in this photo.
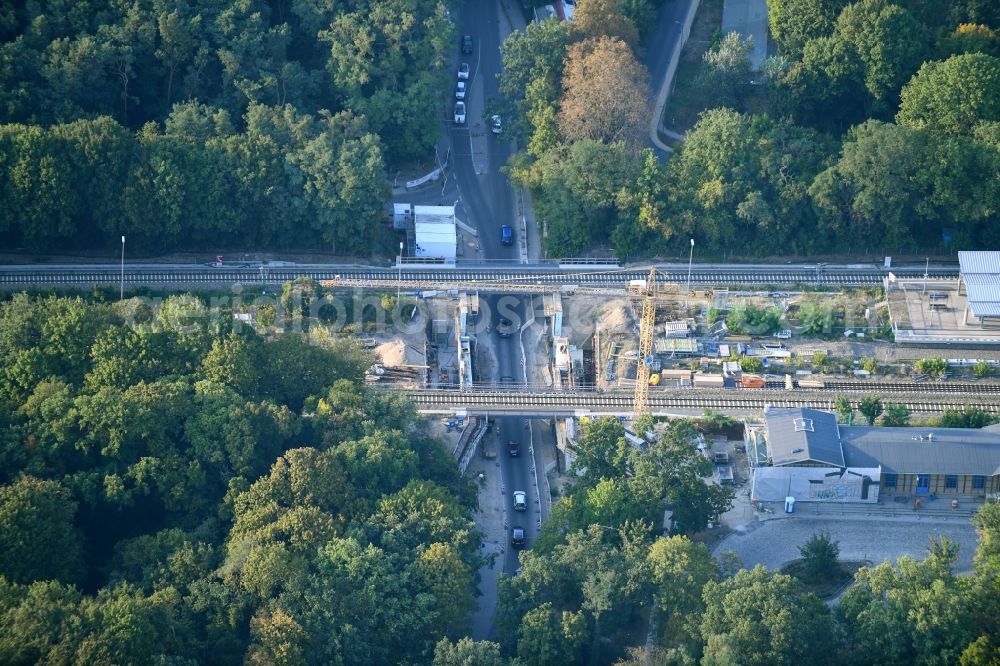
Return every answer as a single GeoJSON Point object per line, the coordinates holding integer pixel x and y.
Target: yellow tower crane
{"type": "Point", "coordinates": [646, 326]}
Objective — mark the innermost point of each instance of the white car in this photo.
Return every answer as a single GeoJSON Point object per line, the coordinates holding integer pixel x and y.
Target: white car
{"type": "Point", "coordinates": [460, 90]}
{"type": "Point", "coordinates": [463, 71]}
{"type": "Point", "coordinates": [497, 124]}
{"type": "Point", "coordinates": [520, 500]}
{"type": "Point", "coordinates": [459, 113]}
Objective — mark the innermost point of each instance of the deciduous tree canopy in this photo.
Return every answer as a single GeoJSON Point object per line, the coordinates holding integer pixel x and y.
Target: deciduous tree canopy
{"type": "Point", "coordinates": [164, 467]}
{"type": "Point", "coordinates": [953, 96]}
{"type": "Point", "coordinates": [604, 91]}
{"type": "Point", "coordinates": [212, 124]}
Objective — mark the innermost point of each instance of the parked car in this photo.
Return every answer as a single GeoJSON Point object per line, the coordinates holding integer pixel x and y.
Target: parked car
{"type": "Point", "coordinates": [520, 500]}
{"type": "Point", "coordinates": [459, 113]}
{"type": "Point", "coordinates": [506, 234]}
{"type": "Point", "coordinates": [514, 448]}
{"type": "Point", "coordinates": [460, 90]}
{"type": "Point", "coordinates": [497, 124]}
{"type": "Point", "coordinates": [466, 44]}
{"type": "Point", "coordinates": [517, 537]}
{"type": "Point", "coordinates": [463, 71]}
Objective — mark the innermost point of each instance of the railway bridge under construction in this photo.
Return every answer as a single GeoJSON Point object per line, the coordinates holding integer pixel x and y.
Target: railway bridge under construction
{"type": "Point", "coordinates": [671, 402]}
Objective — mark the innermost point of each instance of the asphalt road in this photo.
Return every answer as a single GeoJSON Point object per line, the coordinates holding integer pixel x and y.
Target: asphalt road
{"type": "Point", "coordinates": [516, 472]}
{"type": "Point", "coordinates": [663, 40]}
{"type": "Point", "coordinates": [487, 199]}
{"type": "Point", "coordinates": [486, 203]}
{"type": "Point", "coordinates": [660, 47]}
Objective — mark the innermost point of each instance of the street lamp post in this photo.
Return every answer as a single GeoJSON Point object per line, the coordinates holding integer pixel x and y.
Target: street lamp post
{"type": "Point", "coordinates": [927, 267]}
{"type": "Point", "coordinates": [121, 295]}
{"type": "Point", "coordinates": [399, 265]}
{"type": "Point", "coordinates": [690, 259]}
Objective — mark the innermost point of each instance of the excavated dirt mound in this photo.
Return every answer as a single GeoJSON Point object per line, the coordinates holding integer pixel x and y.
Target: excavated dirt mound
{"type": "Point", "coordinates": [392, 353]}
{"type": "Point", "coordinates": [615, 317]}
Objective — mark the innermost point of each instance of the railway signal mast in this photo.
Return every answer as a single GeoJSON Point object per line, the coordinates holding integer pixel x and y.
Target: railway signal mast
{"type": "Point", "coordinates": [645, 360]}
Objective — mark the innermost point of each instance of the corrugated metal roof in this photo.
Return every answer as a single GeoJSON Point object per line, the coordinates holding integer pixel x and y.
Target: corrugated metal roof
{"type": "Point", "coordinates": [979, 262]}
{"type": "Point", "coordinates": [981, 309]}
{"type": "Point", "coordinates": [979, 279]}
{"type": "Point", "coordinates": [909, 451]}
{"type": "Point", "coordinates": [797, 435]}
{"type": "Point", "coordinates": [984, 294]}
{"type": "Point", "coordinates": [981, 273]}
{"type": "Point", "coordinates": [667, 345]}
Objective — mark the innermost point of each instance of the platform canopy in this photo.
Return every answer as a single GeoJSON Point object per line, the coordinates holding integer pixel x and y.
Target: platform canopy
{"type": "Point", "coordinates": [981, 275]}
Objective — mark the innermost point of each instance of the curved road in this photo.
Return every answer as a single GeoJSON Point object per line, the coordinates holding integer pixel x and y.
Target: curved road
{"type": "Point", "coordinates": [660, 48]}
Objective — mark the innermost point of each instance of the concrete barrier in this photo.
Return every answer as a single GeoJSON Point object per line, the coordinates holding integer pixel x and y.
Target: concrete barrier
{"type": "Point", "coordinates": [423, 180]}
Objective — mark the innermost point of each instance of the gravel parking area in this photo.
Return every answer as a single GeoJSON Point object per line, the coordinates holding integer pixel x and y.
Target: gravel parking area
{"type": "Point", "coordinates": [773, 543]}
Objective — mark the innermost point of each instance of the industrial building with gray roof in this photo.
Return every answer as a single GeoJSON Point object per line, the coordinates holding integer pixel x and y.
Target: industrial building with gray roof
{"type": "Point", "coordinates": [800, 436]}
{"type": "Point", "coordinates": [852, 463]}
{"type": "Point", "coordinates": [923, 450]}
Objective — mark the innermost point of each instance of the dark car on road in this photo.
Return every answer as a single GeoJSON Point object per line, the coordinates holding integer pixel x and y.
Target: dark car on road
{"type": "Point", "coordinates": [506, 235]}
{"type": "Point", "coordinates": [514, 448]}
{"type": "Point", "coordinates": [505, 328]}
{"type": "Point", "coordinates": [517, 537]}
{"type": "Point", "coordinates": [466, 44]}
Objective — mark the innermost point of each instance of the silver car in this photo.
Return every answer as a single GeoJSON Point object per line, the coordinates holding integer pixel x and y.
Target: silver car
{"type": "Point", "coordinates": [460, 90]}
{"type": "Point", "coordinates": [459, 113]}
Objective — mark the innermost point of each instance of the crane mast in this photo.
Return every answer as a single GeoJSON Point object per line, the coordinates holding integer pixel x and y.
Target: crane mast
{"type": "Point", "coordinates": [646, 326]}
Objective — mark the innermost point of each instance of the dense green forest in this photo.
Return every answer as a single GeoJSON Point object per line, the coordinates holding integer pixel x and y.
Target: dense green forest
{"type": "Point", "coordinates": [880, 131]}
{"type": "Point", "coordinates": [188, 494]}
{"type": "Point", "coordinates": [240, 123]}
{"type": "Point", "coordinates": [273, 124]}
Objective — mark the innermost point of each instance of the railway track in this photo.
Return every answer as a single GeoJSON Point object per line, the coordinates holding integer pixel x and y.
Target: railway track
{"type": "Point", "coordinates": [890, 388]}
{"type": "Point", "coordinates": [481, 278]}
{"type": "Point", "coordinates": [830, 386]}
{"type": "Point", "coordinates": [664, 401]}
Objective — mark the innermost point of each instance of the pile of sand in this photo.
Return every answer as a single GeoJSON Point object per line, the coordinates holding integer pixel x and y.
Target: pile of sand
{"type": "Point", "coordinates": [391, 353]}
{"type": "Point", "coordinates": [615, 317]}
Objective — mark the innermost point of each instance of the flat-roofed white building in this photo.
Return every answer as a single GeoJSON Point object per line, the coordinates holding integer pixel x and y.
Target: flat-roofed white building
{"type": "Point", "coordinates": [435, 234]}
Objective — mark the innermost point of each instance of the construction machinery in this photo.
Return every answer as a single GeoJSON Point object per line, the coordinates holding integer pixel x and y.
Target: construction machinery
{"type": "Point", "coordinates": [645, 359]}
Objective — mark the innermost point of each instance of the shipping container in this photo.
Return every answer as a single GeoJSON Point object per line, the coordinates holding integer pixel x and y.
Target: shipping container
{"type": "Point", "coordinates": [703, 380]}
{"type": "Point", "coordinates": [812, 383]}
